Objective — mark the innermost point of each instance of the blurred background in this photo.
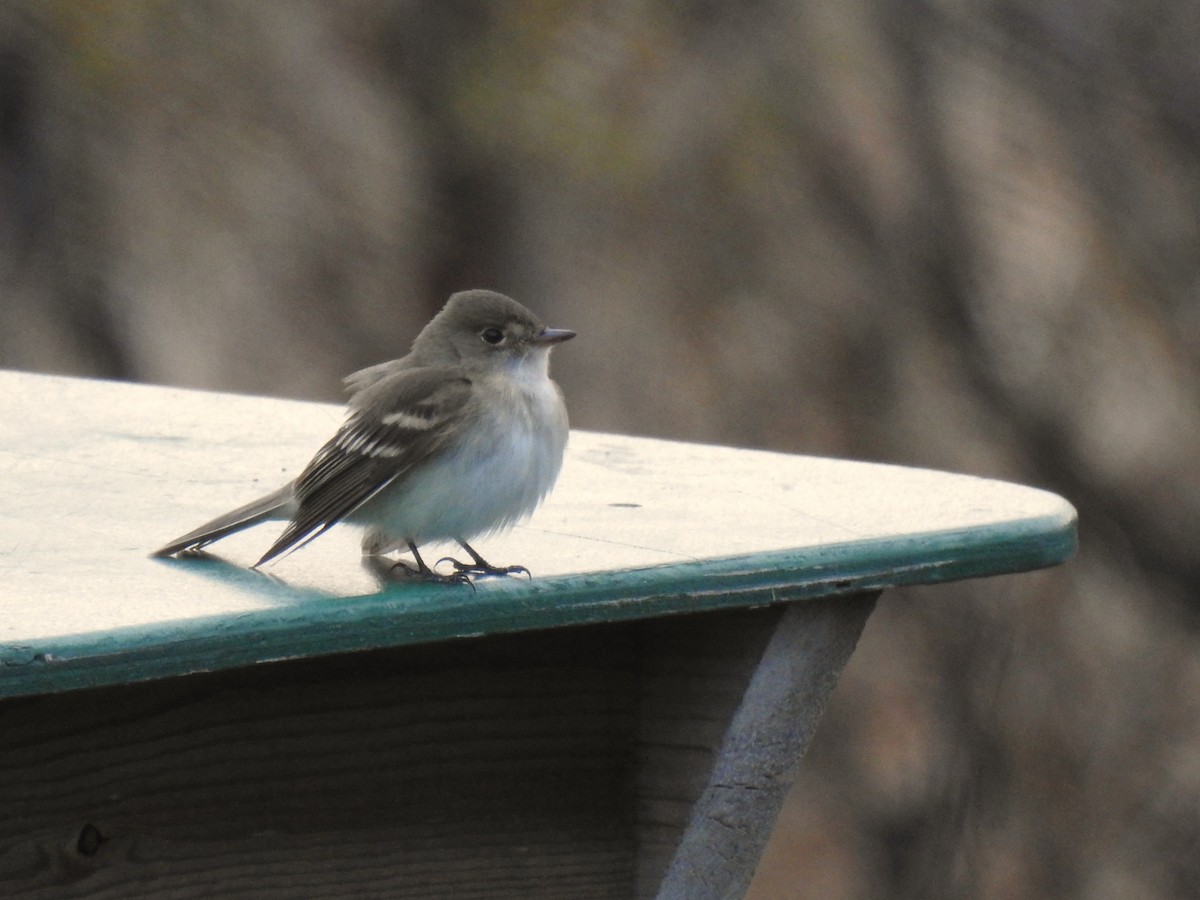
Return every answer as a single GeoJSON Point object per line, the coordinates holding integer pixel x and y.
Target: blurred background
{"type": "Point", "coordinates": [962, 234]}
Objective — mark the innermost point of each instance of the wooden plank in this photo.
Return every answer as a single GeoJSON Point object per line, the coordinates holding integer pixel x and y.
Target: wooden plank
{"type": "Point", "coordinates": [541, 764]}
{"type": "Point", "coordinates": [96, 475]}
{"type": "Point", "coordinates": [496, 767]}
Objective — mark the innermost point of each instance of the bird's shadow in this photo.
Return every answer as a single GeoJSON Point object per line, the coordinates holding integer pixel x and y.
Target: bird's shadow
{"type": "Point", "coordinates": [243, 578]}
{"type": "Point", "coordinates": [386, 576]}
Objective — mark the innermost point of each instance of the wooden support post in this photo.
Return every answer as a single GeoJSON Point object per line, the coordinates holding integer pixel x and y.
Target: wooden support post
{"type": "Point", "coordinates": [766, 740]}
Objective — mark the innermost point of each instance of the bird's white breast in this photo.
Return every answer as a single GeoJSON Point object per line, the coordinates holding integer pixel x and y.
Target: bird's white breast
{"type": "Point", "coordinates": [496, 475]}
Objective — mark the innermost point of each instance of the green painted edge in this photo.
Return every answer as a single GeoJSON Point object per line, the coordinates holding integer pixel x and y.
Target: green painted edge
{"type": "Point", "coordinates": [311, 624]}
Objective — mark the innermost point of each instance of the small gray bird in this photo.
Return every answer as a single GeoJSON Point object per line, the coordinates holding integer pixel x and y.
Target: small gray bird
{"type": "Point", "coordinates": [462, 437]}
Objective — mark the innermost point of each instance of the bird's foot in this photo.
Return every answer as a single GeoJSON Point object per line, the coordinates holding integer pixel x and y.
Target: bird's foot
{"type": "Point", "coordinates": [427, 574]}
{"type": "Point", "coordinates": [481, 568]}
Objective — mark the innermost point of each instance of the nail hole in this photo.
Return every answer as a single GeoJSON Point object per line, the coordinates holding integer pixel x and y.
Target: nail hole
{"type": "Point", "coordinates": [90, 840]}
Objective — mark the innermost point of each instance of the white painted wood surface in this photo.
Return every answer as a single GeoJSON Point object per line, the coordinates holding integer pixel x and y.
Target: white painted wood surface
{"type": "Point", "coordinates": [96, 475]}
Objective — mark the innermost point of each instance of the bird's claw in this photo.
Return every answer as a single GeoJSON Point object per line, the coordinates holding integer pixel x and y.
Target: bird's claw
{"type": "Point", "coordinates": [483, 569]}
{"type": "Point", "coordinates": [432, 576]}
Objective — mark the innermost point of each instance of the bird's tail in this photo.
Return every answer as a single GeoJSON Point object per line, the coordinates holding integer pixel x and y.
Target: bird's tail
{"type": "Point", "coordinates": [273, 506]}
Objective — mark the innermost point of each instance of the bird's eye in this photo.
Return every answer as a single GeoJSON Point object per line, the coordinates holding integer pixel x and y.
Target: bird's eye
{"type": "Point", "coordinates": [493, 336]}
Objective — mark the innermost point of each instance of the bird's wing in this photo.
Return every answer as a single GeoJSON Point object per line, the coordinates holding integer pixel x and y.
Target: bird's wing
{"type": "Point", "coordinates": [400, 420]}
{"type": "Point", "coordinates": [359, 381]}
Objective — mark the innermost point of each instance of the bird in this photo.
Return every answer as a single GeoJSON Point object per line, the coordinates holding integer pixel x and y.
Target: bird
{"type": "Point", "coordinates": [462, 437]}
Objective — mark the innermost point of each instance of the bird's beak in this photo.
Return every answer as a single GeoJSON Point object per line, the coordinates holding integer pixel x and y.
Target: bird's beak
{"type": "Point", "coordinates": [553, 336]}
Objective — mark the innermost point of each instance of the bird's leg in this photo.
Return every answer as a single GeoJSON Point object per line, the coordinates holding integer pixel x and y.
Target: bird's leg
{"type": "Point", "coordinates": [480, 566]}
{"type": "Point", "coordinates": [425, 573]}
